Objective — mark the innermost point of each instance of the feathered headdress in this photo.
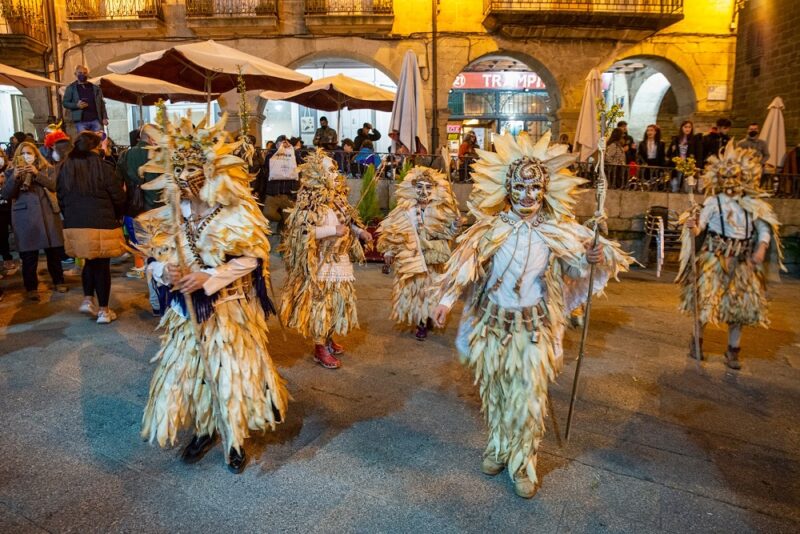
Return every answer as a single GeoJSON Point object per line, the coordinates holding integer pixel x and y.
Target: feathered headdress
{"type": "Point", "coordinates": [491, 174]}
{"type": "Point", "coordinates": [181, 143]}
{"type": "Point", "coordinates": [734, 168]}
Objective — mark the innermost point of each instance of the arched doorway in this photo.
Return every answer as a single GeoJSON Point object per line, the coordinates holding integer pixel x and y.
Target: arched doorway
{"type": "Point", "coordinates": [293, 120]}
{"type": "Point", "coordinates": [17, 113]}
{"type": "Point", "coordinates": [500, 93]}
{"type": "Point", "coordinates": [651, 90]}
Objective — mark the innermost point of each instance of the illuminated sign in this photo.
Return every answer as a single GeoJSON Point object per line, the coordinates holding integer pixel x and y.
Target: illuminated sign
{"type": "Point", "coordinates": [498, 80]}
{"type": "Point", "coordinates": [453, 128]}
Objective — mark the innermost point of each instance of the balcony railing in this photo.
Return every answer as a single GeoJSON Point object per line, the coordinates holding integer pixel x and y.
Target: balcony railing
{"type": "Point", "coordinates": [349, 7]}
{"type": "Point", "coordinates": [664, 7]}
{"type": "Point", "coordinates": [23, 17]}
{"type": "Point", "coordinates": [231, 8]}
{"type": "Point", "coordinates": [113, 9]}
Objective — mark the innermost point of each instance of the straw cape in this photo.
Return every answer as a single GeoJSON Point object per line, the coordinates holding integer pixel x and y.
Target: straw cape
{"type": "Point", "coordinates": [515, 352]}
{"type": "Point", "coordinates": [731, 289]}
{"type": "Point", "coordinates": [419, 242]}
{"type": "Point", "coordinates": [233, 321]}
{"type": "Point", "coordinates": [317, 307]}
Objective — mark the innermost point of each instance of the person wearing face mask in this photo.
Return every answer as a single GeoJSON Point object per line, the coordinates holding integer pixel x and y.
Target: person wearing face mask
{"type": "Point", "coordinates": [223, 239]}
{"type": "Point", "coordinates": [35, 216]}
{"type": "Point", "coordinates": [92, 200]}
{"type": "Point", "coordinates": [527, 260]}
{"type": "Point", "coordinates": [85, 103]}
{"type": "Point", "coordinates": [322, 239]}
{"type": "Point", "coordinates": [416, 237]}
{"type": "Point", "coordinates": [740, 240]}
{"type": "Point", "coordinates": [759, 146]}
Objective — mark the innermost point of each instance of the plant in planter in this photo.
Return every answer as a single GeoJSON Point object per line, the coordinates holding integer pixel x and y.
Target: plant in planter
{"type": "Point", "coordinates": [369, 210]}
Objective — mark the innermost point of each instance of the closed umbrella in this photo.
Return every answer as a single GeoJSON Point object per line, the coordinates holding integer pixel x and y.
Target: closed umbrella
{"type": "Point", "coordinates": [211, 67]}
{"type": "Point", "coordinates": [408, 112]}
{"type": "Point", "coordinates": [22, 79]}
{"type": "Point", "coordinates": [774, 133]}
{"type": "Point", "coordinates": [586, 134]}
{"type": "Point", "coordinates": [335, 93]}
{"type": "Point", "coordinates": [143, 91]}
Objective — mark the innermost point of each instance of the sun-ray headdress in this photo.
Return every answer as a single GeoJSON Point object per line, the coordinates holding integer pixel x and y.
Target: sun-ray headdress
{"type": "Point", "coordinates": [178, 144]}
{"type": "Point", "coordinates": [737, 167]}
{"type": "Point", "coordinates": [441, 192]}
{"type": "Point", "coordinates": [491, 174]}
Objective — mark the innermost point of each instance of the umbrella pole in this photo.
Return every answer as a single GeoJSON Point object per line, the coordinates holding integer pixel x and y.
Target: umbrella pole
{"type": "Point", "coordinates": [140, 122]}
{"type": "Point", "coordinates": [208, 98]}
{"type": "Point", "coordinates": [339, 123]}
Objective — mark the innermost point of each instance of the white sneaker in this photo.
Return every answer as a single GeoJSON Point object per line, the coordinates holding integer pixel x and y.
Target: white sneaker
{"type": "Point", "coordinates": [105, 317]}
{"type": "Point", "coordinates": [136, 272]}
{"type": "Point", "coordinates": [88, 307]}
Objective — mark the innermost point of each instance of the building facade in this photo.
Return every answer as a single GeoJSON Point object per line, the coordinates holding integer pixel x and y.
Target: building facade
{"type": "Point", "coordinates": [499, 64]}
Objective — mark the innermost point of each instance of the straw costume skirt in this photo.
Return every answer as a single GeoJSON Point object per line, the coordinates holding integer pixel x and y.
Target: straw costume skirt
{"type": "Point", "coordinates": [318, 309]}
{"type": "Point", "coordinates": [413, 298]}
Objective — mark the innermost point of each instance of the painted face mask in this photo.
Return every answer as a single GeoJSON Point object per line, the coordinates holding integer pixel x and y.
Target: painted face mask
{"type": "Point", "coordinates": [528, 179]}
{"type": "Point", "coordinates": [731, 181]}
{"type": "Point", "coordinates": [424, 189]}
{"type": "Point", "coordinates": [190, 180]}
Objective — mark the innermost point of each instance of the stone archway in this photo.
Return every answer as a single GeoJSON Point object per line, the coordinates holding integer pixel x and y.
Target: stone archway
{"type": "Point", "coordinates": [644, 84]}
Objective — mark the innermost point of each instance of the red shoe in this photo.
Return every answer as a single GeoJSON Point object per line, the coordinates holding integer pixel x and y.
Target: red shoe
{"type": "Point", "coordinates": [334, 348]}
{"type": "Point", "coordinates": [325, 358]}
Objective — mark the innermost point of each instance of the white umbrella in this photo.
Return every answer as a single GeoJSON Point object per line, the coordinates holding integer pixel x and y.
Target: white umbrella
{"type": "Point", "coordinates": [335, 93]}
{"type": "Point", "coordinates": [408, 112]}
{"type": "Point", "coordinates": [586, 134]}
{"type": "Point", "coordinates": [211, 67]}
{"type": "Point", "coordinates": [774, 133]}
{"type": "Point", "coordinates": [22, 79]}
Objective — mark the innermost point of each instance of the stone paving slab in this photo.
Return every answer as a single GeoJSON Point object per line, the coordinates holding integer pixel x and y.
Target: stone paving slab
{"type": "Point", "coordinates": [392, 441]}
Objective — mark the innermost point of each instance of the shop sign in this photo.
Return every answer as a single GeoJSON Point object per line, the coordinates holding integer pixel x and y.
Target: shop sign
{"type": "Point", "coordinates": [453, 128]}
{"type": "Point", "coordinates": [498, 80]}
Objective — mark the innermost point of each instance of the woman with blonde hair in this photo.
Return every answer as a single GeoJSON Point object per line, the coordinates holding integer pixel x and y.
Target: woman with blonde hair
{"type": "Point", "coordinates": [30, 184]}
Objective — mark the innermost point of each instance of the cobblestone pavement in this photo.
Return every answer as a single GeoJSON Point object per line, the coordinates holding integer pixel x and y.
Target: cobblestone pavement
{"type": "Point", "coordinates": [392, 441]}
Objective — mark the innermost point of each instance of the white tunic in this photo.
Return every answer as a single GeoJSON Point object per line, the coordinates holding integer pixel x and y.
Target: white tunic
{"type": "Point", "coordinates": [523, 258]}
{"type": "Point", "coordinates": [342, 270]}
{"type": "Point", "coordinates": [734, 220]}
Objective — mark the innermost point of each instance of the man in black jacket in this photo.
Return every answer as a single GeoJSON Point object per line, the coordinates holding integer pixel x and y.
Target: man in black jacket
{"type": "Point", "coordinates": [716, 140]}
{"type": "Point", "coordinates": [84, 100]}
{"type": "Point", "coordinates": [364, 134]}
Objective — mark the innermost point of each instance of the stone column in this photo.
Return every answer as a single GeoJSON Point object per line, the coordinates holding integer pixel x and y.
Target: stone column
{"type": "Point", "coordinates": [39, 100]}
{"type": "Point", "coordinates": [229, 102]}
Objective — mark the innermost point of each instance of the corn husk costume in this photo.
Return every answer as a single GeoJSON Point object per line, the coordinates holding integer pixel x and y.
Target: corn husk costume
{"type": "Point", "coordinates": [527, 275]}
{"type": "Point", "coordinates": [229, 242]}
{"type": "Point", "coordinates": [418, 237]}
{"type": "Point", "coordinates": [319, 299]}
{"type": "Point", "coordinates": [734, 221]}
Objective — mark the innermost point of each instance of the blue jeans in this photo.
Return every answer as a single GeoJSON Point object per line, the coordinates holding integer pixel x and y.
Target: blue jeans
{"type": "Point", "coordinates": [93, 126]}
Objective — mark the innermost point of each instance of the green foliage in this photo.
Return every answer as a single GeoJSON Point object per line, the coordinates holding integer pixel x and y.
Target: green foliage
{"type": "Point", "coordinates": [368, 208]}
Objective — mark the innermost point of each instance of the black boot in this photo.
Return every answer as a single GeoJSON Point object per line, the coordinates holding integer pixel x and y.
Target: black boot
{"type": "Point", "coordinates": [197, 448]}
{"type": "Point", "coordinates": [429, 324]}
{"type": "Point", "coordinates": [422, 331]}
{"type": "Point", "coordinates": [732, 358]}
{"type": "Point", "coordinates": [237, 460]}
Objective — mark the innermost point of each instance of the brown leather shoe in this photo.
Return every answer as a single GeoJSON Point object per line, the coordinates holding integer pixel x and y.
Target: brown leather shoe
{"type": "Point", "coordinates": [523, 486]}
{"type": "Point", "coordinates": [323, 357]}
{"type": "Point", "coordinates": [732, 358]}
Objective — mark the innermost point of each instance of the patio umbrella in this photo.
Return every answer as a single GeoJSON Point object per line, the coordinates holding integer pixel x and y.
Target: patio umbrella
{"type": "Point", "coordinates": [408, 112]}
{"type": "Point", "coordinates": [22, 79]}
{"type": "Point", "coordinates": [774, 133]}
{"type": "Point", "coordinates": [211, 67]}
{"type": "Point", "coordinates": [586, 134]}
{"type": "Point", "coordinates": [335, 93]}
{"type": "Point", "coordinates": [143, 91]}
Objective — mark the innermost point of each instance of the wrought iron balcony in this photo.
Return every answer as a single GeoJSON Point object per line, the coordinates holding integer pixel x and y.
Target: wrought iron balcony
{"type": "Point", "coordinates": [343, 17]}
{"type": "Point", "coordinates": [224, 18]}
{"type": "Point", "coordinates": [112, 9]}
{"type": "Point", "coordinates": [526, 18]}
{"type": "Point", "coordinates": [231, 8]}
{"type": "Point", "coordinates": [23, 18]}
{"type": "Point", "coordinates": [115, 18]}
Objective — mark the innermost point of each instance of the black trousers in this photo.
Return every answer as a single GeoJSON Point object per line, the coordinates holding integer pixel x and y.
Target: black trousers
{"type": "Point", "coordinates": [30, 264]}
{"type": "Point", "coordinates": [96, 277]}
{"type": "Point", "coordinates": [5, 226]}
